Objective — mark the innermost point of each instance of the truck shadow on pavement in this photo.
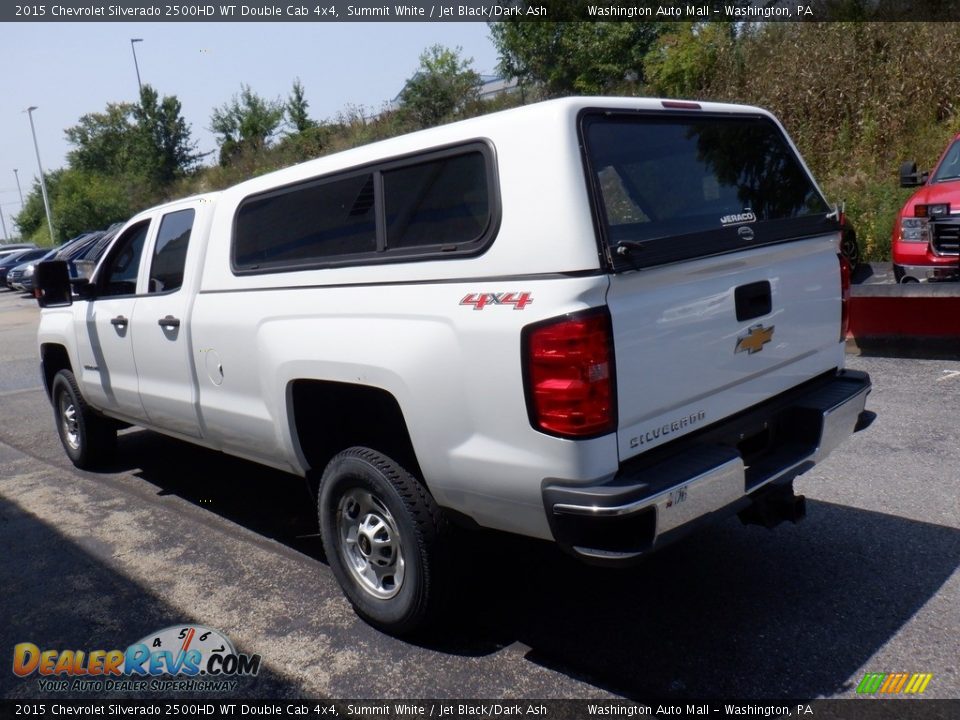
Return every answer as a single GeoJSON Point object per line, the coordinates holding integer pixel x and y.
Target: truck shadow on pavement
{"type": "Point", "coordinates": [734, 612]}
{"type": "Point", "coordinates": [731, 612]}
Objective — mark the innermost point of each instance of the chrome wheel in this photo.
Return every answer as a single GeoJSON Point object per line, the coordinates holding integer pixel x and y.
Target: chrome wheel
{"type": "Point", "coordinates": [370, 544]}
{"type": "Point", "coordinates": [69, 422]}
{"type": "Point", "coordinates": [88, 439]}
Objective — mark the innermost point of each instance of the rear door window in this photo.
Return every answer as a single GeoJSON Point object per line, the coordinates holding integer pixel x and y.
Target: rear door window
{"type": "Point", "coordinates": [671, 188]}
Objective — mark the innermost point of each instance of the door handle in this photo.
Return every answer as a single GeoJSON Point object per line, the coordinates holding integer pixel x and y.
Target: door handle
{"type": "Point", "coordinates": [169, 322]}
{"type": "Point", "coordinates": [119, 321]}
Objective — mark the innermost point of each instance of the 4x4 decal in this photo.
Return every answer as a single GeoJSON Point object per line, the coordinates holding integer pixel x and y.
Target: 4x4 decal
{"type": "Point", "coordinates": [481, 300]}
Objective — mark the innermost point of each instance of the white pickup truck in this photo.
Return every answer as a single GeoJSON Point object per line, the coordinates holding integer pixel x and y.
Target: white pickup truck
{"type": "Point", "coordinates": [598, 321]}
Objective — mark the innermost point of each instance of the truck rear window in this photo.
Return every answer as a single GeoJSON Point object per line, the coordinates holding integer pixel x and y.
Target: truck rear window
{"type": "Point", "coordinates": [669, 188]}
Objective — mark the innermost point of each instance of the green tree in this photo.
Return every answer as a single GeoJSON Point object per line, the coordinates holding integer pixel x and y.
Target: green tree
{"type": "Point", "coordinates": [89, 201]}
{"type": "Point", "coordinates": [442, 86]}
{"type": "Point", "coordinates": [564, 58]}
{"type": "Point", "coordinates": [104, 142]}
{"type": "Point", "coordinates": [32, 216]}
{"type": "Point", "coordinates": [80, 200]}
{"type": "Point", "coordinates": [682, 61]}
{"type": "Point", "coordinates": [162, 143]}
{"type": "Point", "coordinates": [145, 146]}
{"type": "Point", "coordinates": [296, 109]}
{"type": "Point", "coordinates": [245, 124]}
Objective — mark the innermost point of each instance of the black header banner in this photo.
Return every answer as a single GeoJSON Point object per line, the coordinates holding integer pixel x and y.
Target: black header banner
{"type": "Point", "coordinates": [481, 11]}
{"type": "Point", "coordinates": [854, 709]}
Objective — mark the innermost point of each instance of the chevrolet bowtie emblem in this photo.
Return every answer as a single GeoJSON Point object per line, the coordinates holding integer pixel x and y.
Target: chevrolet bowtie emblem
{"type": "Point", "coordinates": [754, 340]}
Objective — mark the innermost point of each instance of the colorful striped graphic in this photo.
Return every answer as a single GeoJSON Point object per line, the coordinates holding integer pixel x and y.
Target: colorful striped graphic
{"type": "Point", "coordinates": [894, 683]}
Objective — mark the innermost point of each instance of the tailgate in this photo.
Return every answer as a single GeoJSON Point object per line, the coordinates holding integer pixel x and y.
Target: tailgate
{"type": "Point", "coordinates": [725, 283]}
{"type": "Point", "coordinates": [685, 360]}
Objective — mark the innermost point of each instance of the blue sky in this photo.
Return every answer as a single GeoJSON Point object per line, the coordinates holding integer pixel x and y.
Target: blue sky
{"type": "Point", "coordinates": [70, 69]}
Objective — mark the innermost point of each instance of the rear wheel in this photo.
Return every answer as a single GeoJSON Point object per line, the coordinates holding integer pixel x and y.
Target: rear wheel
{"type": "Point", "coordinates": [88, 438]}
{"type": "Point", "coordinates": [850, 248]}
{"type": "Point", "coordinates": [900, 275]}
{"type": "Point", "coordinates": [383, 535]}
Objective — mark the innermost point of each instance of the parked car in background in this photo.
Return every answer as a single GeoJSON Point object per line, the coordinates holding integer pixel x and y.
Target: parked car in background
{"type": "Point", "coordinates": [21, 277]}
{"type": "Point", "coordinates": [8, 261]}
{"type": "Point", "coordinates": [66, 251]}
{"type": "Point", "coordinates": [15, 258]}
{"type": "Point", "coordinates": [7, 249]}
{"type": "Point", "coordinates": [73, 248]}
{"type": "Point", "coordinates": [35, 253]}
{"type": "Point", "coordinates": [926, 235]}
{"type": "Point", "coordinates": [89, 251]}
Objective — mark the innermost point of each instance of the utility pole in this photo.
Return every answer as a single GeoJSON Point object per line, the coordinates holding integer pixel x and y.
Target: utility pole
{"type": "Point", "coordinates": [43, 183]}
{"type": "Point", "coordinates": [18, 187]}
{"type": "Point", "coordinates": [135, 64]}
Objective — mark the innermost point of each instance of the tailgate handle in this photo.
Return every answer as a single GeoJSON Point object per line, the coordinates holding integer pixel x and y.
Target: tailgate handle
{"type": "Point", "coordinates": [753, 300]}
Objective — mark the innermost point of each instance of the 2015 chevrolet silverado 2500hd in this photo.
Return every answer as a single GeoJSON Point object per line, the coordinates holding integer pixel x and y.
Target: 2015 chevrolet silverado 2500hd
{"type": "Point", "coordinates": [597, 321]}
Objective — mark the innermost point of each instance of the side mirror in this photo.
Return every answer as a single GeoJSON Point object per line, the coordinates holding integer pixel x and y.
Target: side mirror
{"type": "Point", "coordinates": [51, 283]}
{"type": "Point", "coordinates": [909, 177]}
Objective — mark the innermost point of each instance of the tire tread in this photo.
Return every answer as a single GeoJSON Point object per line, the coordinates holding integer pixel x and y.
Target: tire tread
{"type": "Point", "coordinates": [430, 527]}
{"type": "Point", "coordinates": [98, 434]}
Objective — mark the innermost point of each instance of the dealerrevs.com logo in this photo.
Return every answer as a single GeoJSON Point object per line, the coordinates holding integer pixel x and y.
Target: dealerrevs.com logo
{"type": "Point", "coordinates": [177, 658]}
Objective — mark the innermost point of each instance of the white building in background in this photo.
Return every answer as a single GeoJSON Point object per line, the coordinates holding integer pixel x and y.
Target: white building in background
{"type": "Point", "coordinates": [490, 87]}
{"type": "Point", "coordinates": [493, 86]}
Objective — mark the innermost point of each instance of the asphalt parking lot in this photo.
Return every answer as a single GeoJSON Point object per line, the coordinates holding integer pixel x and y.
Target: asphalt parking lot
{"type": "Point", "coordinates": [175, 534]}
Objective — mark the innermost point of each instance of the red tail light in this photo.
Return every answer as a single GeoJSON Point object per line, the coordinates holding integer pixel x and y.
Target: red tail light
{"type": "Point", "coordinates": [844, 297]}
{"type": "Point", "coordinates": [569, 375]}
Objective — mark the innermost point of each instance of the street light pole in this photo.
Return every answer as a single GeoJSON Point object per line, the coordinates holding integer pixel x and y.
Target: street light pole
{"type": "Point", "coordinates": [135, 64]}
{"type": "Point", "coordinates": [43, 183]}
{"type": "Point", "coordinates": [17, 176]}
{"type": "Point", "coordinates": [4, 224]}
{"type": "Point", "coordinates": [19, 191]}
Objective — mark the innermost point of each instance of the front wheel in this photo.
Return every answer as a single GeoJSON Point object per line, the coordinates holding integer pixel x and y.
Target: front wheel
{"type": "Point", "coordinates": [383, 535]}
{"type": "Point", "coordinates": [88, 438]}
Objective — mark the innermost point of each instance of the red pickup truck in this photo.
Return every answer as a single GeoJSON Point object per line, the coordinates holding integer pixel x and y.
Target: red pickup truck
{"type": "Point", "coordinates": [926, 236]}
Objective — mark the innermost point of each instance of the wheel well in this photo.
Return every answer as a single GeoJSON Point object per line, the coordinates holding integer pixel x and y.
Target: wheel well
{"type": "Point", "coordinates": [330, 417]}
{"type": "Point", "coordinates": [53, 359]}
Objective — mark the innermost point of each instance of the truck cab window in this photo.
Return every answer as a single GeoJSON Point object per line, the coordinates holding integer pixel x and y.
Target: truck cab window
{"type": "Point", "coordinates": [119, 276]}
{"type": "Point", "coordinates": [170, 251]}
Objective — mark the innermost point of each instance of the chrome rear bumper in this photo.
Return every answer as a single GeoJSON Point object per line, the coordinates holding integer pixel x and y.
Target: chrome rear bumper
{"type": "Point", "coordinates": [717, 471]}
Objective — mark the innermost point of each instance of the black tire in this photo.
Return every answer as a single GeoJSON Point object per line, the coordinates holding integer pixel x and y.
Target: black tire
{"type": "Point", "coordinates": [89, 439]}
{"type": "Point", "coordinates": [850, 248]}
{"type": "Point", "coordinates": [384, 538]}
{"type": "Point", "coordinates": [898, 273]}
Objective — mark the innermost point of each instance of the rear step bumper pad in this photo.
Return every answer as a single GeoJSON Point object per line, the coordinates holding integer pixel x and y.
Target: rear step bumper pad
{"type": "Point", "coordinates": [627, 516]}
